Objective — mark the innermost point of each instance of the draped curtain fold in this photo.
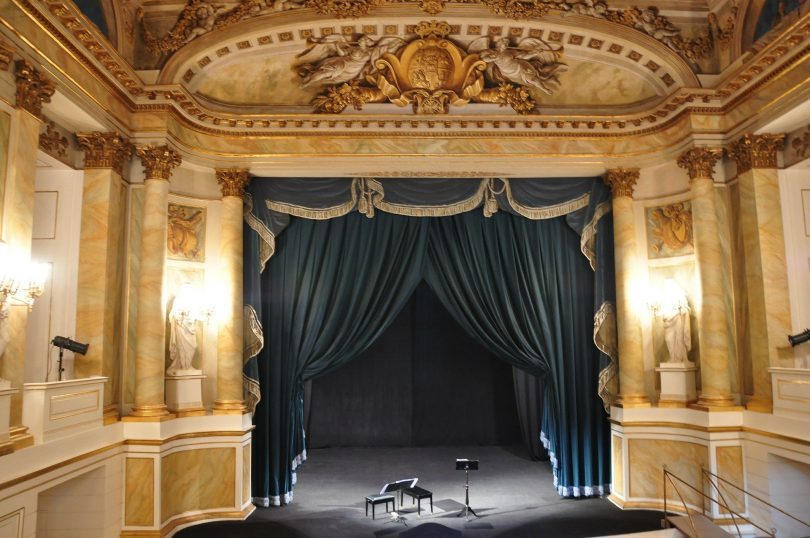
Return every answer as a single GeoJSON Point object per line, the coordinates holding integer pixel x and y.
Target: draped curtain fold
{"type": "Point", "coordinates": [515, 279]}
{"type": "Point", "coordinates": [333, 287]}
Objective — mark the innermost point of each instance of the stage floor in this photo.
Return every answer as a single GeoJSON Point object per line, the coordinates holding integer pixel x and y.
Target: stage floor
{"type": "Point", "coordinates": [514, 496]}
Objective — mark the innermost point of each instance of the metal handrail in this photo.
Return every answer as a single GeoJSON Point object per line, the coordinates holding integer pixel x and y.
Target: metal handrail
{"type": "Point", "coordinates": [710, 474]}
{"type": "Point", "coordinates": [672, 476]}
{"type": "Point", "coordinates": [722, 498]}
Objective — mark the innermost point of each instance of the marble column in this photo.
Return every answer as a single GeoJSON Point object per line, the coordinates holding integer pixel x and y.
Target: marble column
{"type": "Point", "coordinates": [632, 392]}
{"type": "Point", "coordinates": [230, 340]}
{"type": "Point", "coordinates": [765, 267]}
{"type": "Point", "coordinates": [101, 251]}
{"type": "Point", "coordinates": [32, 90]}
{"type": "Point", "coordinates": [715, 377]}
{"type": "Point", "coordinates": [150, 332]}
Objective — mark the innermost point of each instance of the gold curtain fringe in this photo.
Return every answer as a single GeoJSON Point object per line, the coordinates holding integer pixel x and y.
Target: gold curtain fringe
{"type": "Point", "coordinates": [317, 214]}
{"type": "Point", "coordinates": [546, 212]}
{"type": "Point", "coordinates": [605, 338]}
{"type": "Point", "coordinates": [445, 210]}
{"type": "Point", "coordinates": [251, 393]}
{"type": "Point", "coordinates": [254, 342]}
{"type": "Point", "coordinates": [589, 233]}
{"type": "Point", "coordinates": [267, 247]}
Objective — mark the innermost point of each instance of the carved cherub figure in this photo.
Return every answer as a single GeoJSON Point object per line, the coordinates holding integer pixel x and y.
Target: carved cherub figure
{"type": "Point", "coordinates": [334, 59]}
{"type": "Point", "coordinates": [205, 15]}
{"type": "Point", "coordinates": [653, 24]}
{"type": "Point", "coordinates": [533, 62]}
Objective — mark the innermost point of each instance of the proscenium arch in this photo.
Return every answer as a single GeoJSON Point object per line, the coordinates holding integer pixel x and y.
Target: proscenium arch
{"type": "Point", "coordinates": [187, 63]}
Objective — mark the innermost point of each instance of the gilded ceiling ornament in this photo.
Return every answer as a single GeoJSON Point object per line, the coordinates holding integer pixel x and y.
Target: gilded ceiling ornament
{"type": "Point", "coordinates": [520, 9]}
{"type": "Point", "coordinates": [104, 150]}
{"type": "Point", "coordinates": [756, 151]}
{"type": "Point", "coordinates": [233, 181]}
{"type": "Point", "coordinates": [158, 161]}
{"type": "Point", "coordinates": [201, 16]}
{"type": "Point", "coordinates": [723, 35]}
{"type": "Point", "coordinates": [343, 9]}
{"type": "Point", "coordinates": [33, 89]}
{"type": "Point", "coordinates": [621, 181]}
{"type": "Point", "coordinates": [699, 162]}
{"type": "Point", "coordinates": [655, 25]}
{"type": "Point", "coordinates": [52, 141]}
{"type": "Point", "coordinates": [432, 7]}
{"type": "Point", "coordinates": [430, 73]}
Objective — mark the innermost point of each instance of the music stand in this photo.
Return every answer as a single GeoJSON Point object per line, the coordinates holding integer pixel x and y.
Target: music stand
{"type": "Point", "coordinates": [463, 464]}
{"type": "Point", "coordinates": [395, 487]}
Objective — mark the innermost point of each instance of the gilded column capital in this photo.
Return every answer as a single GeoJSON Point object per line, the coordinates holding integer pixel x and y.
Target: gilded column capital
{"type": "Point", "coordinates": [6, 55]}
{"type": "Point", "coordinates": [622, 181]}
{"type": "Point", "coordinates": [158, 161]}
{"type": "Point", "coordinates": [699, 162]}
{"type": "Point", "coordinates": [33, 88]}
{"type": "Point", "coordinates": [233, 181]}
{"type": "Point", "coordinates": [104, 150]}
{"type": "Point", "coordinates": [756, 151]}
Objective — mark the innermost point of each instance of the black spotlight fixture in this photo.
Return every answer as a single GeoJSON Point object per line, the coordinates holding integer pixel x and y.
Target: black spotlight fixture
{"type": "Point", "coordinates": [63, 343]}
{"type": "Point", "coordinates": [800, 338]}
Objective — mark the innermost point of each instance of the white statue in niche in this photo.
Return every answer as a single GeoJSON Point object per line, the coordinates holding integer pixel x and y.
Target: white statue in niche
{"type": "Point", "coordinates": [677, 328]}
{"type": "Point", "coordinates": [183, 320]}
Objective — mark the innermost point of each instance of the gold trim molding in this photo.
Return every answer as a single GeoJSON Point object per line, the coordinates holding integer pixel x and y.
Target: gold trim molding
{"type": "Point", "coordinates": [6, 55]}
{"type": "Point", "coordinates": [756, 151]}
{"type": "Point", "coordinates": [104, 150]}
{"type": "Point", "coordinates": [622, 182]}
{"type": "Point", "coordinates": [699, 162]}
{"type": "Point", "coordinates": [158, 163]}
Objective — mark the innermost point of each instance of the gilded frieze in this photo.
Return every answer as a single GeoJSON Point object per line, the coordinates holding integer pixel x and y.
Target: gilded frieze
{"type": "Point", "coordinates": [669, 230]}
{"type": "Point", "coordinates": [52, 141]}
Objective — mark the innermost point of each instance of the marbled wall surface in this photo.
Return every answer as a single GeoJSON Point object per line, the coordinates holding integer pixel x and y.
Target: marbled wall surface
{"type": "Point", "coordinates": [726, 222]}
{"type": "Point", "coordinates": [133, 272]}
{"type": "Point", "coordinates": [139, 492]}
{"type": "Point", "coordinates": [646, 458]}
{"type": "Point", "coordinates": [197, 479]}
{"type": "Point", "coordinates": [5, 133]}
{"type": "Point", "coordinates": [246, 463]}
{"type": "Point", "coordinates": [730, 467]}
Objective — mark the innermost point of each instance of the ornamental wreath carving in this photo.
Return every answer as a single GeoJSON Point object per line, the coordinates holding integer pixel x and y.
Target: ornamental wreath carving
{"type": "Point", "coordinates": [430, 72]}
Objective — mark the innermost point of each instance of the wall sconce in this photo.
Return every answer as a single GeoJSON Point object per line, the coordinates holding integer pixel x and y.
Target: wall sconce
{"type": "Point", "coordinates": [21, 281]}
{"type": "Point", "coordinates": [190, 302]}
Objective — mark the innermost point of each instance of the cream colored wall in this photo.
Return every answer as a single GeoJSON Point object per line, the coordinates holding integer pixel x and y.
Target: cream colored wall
{"type": "Point", "coordinates": [57, 220]}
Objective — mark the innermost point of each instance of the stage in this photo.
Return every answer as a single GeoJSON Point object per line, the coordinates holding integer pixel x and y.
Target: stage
{"type": "Point", "coordinates": [514, 496]}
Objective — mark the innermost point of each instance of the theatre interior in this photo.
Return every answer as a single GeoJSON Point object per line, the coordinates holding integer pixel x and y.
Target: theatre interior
{"type": "Point", "coordinates": [340, 268]}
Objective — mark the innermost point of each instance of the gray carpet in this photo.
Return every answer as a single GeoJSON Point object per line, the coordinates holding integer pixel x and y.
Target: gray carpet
{"type": "Point", "coordinates": [514, 496]}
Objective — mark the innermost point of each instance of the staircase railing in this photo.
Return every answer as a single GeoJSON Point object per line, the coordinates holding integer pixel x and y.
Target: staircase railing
{"type": "Point", "coordinates": [672, 478]}
{"type": "Point", "coordinates": [707, 474]}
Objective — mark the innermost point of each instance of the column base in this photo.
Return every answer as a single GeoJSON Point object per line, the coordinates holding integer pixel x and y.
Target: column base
{"type": "Point", "coordinates": [6, 448]}
{"type": "Point", "coordinates": [20, 438]}
{"type": "Point", "coordinates": [628, 401]}
{"type": "Point", "coordinates": [111, 414]}
{"type": "Point", "coordinates": [760, 405]}
{"type": "Point", "coordinates": [149, 413]}
{"type": "Point", "coordinates": [229, 407]}
{"type": "Point", "coordinates": [716, 403]}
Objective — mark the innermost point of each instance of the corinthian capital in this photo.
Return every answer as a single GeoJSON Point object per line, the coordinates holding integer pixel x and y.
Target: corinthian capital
{"type": "Point", "coordinates": [622, 181]}
{"type": "Point", "coordinates": [233, 181]}
{"type": "Point", "coordinates": [33, 89]}
{"type": "Point", "coordinates": [158, 161]}
{"type": "Point", "coordinates": [699, 162]}
{"type": "Point", "coordinates": [756, 151]}
{"type": "Point", "coordinates": [104, 150]}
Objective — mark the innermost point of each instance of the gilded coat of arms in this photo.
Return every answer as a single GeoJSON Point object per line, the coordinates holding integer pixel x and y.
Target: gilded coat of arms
{"type": "Point", "coordinates": [669, 230]}
{"type": "Point", "coordinates": [431, 73]}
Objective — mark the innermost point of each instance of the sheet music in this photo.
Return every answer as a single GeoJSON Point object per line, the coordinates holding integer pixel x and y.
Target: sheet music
{"type": "Point", "coordinates": [398, 485]}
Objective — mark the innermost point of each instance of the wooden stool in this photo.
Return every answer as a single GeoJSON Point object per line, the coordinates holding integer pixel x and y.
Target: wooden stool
{"type": "Point", "coordinates": [417, 494]}
{"type": "Point", "coordinates": [374, 500]}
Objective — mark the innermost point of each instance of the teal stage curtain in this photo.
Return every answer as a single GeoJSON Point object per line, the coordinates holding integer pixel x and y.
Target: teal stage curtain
{"type": "Point", "coordinates": [331, 289]}
{"type": "Point", "coordinates": [523, 289]}
{"type": "Point", "coordinates": [513, 275]}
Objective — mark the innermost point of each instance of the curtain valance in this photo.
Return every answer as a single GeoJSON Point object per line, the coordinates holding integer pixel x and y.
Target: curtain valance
{"type": "Point", "coordinates": [273, 201]}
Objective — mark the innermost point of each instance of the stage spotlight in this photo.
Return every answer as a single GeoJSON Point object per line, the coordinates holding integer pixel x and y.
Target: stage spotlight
{"type": "Point", "coordinates": [800, 338]}
{"type": "Point", "coordinates": [63, 342]}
